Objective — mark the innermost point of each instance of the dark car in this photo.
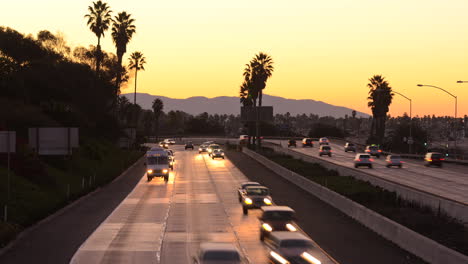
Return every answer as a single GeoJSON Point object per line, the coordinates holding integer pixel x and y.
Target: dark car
{"type": "Point", "coordinates": [374, 150]}
{"type": "Point", "coordinates": [349, 147]}
{"type": "Point", "coordinates": [292, 143]}
{"type": "Point", "coordinates": [189, 145]}
{"type": "Point", "coordinates": [325, 150]}
{"type": "Point", "coordinates": [277, 218]}
{"type": "Point", "coordinates": [243, 186]}
{"type": "Point", "coordinates": [307, 142]}
{"type": "Point", "coordinates": [254, 197]}
{"type": "Point", "coordinates": [433, 158]}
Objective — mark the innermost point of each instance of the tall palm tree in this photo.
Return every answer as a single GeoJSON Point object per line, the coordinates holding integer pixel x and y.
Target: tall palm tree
{"type": "Point", "coordinates": [137, 62]}
{"type": "Point", "coordinates": [123, 29]}
{"type": "Point", "coordinates": [379, 100]}
{"type": "Point", "coordinates": [99, 19]}
{"type": "Point", "coordinates": [157, 107]}
{"type": "Point", "coordinates": [262, 68]}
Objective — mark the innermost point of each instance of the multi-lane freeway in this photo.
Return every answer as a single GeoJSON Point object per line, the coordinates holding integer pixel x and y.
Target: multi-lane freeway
{"type": "Point", "coordinates": [161, 222]}
{"type": "Point", "coordinates": [450, 182]}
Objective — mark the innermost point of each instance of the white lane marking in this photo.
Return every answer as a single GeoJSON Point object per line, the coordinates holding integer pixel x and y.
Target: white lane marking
{"type": "Point", "coordinates": [147, 201]}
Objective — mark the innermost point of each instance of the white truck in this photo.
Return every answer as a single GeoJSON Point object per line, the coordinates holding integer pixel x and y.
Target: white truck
{"type": "Point", "coordinates": [157, 164]}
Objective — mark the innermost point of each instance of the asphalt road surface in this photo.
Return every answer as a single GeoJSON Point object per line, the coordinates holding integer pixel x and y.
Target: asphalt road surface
{"type": "Point", "coordinates": [342, 237]}
{"type": "Point", "coordinates": [450, 182]}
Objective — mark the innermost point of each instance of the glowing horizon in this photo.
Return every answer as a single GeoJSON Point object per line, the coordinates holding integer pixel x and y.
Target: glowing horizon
{"type": "Point", "coordinates": [324, 51]}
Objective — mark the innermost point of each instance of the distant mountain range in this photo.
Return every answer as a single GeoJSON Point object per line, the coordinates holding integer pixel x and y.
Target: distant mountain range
{"type": "Point", "coordinates": [231, 105]}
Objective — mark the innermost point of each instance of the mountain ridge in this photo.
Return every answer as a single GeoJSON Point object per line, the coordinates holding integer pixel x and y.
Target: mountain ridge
{"type": "Point", "coordinates": [231, 105]}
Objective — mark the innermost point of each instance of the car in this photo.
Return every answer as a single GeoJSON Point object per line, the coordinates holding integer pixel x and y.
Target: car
{"type": "Point", "coordinates": [212, 147]}
{"type": "Point", "coordinates": [163, 144]}
{"type": "Point", "coordinates": [307, 142]}
{"type": "Point", "coordinates": [243, 186]}
{"type": "Point", "coordinates": [169, 141]}
{"type": "Point", "coordinates": [213, 253]}
{"type": "Point", "coordinates": [254, 197]}
{"type": "Point", "coordinates": [325, 150]}
{"type": "Point", "coordinates": [243, 139]}
{"type": "Point", "coordinates": [171, 157]}
{"type": "Point", "coordinates": [363, 159]}
{"type": "Point", "coordinates": [393, 160]}
{"type": "Point", "coordinates": [157, 163]}
{"type": "Point", "coordinates": [292, 143]}
{"type": "Point", "coordinates": [217, 153]}
{"type": "Point", "coordinates": [349, 147]}
{"type": "Point", "coordinates": [189, 145]}
{"type": "Point", "coordinates": [202, 148]}
{"type": "Point", "coordinates": [277, 218]}
{"type": "Point", "coordinates": [324, 141]}
{"type": "Point", "coordinates": [433, 158]}
{"type": "Point", "coordinates": [374, 150]}
{"type": "Point", "coordinates": [291, 248]}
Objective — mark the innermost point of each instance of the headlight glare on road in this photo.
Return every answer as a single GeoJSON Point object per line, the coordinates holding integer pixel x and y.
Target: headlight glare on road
{"type": "Point", "coordinates": [149, 171]}
{"type": "Point", "coordinates": [278, 258]}
{"type": "Point", "coordinates": [310, 259]}
{"type": "Point", "coordinates": [291, 228]}
{"type": "Point", "coordinates": [248, 201]}
{"type": "Point", "coordinates": [267, 227]}
{"type": "Point", "coordinates": [165, 171]}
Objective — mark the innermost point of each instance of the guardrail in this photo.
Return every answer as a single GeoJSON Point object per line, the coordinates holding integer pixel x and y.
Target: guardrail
{"type": "Point", "coordinates": [407, 239]}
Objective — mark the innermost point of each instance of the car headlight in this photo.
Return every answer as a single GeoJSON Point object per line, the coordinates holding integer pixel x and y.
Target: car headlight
{"type": "Point", "coordinates": [248, 201]}
{"type": "Point", "coordinates": [222, 154]}
{"type": "Point", "coordinates": [149, 171]}
{"type": "Point", "coordinates": [310, 258]}
{"type": "Point", "coordinates": [200, 149]}
{"type": "Point", "coordinates": [165, 171]}
{"type": "Point", "coordinates": [267, 227]}
{"type": "Point", "coordinates": [291, 228]}
{"type": "Point", "coordinates": [267, 201]}
{"type": "Point", "coordinates": [278, 257]}
{"type": "Point", "coordinates": [209, 150]}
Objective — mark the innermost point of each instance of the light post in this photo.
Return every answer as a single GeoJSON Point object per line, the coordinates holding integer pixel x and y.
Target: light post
{"type": "Point", "coordinates": [410, 140]}
{"type": "Point", "coordinates": [455, 118]}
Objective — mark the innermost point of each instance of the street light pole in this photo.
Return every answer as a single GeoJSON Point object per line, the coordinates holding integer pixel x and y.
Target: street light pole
{"type": "Point", "coordinates": [456, 102]}
{"type": "Point", "coordinates": [411, 120]}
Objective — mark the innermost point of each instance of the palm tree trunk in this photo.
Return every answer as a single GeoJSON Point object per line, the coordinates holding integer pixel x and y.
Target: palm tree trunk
{"type": "Point", "coordinates": [118, 78]}
{"type": "Point", "coordinates": [257, 132]}
{"type": "Point", "coordinates": [134, 95]}
{"type": "Point", "coordinates": [98, 55]}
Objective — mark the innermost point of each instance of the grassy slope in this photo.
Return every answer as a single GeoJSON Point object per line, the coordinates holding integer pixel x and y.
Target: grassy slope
{"type": "Point", "coordinates": [32, 200]}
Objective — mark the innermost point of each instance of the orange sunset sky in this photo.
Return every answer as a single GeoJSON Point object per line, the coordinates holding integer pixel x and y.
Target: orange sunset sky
{"type": "Point", "coordinates": [323, 50]}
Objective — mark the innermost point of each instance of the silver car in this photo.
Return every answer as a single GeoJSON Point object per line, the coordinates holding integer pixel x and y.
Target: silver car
{"type": "Point", "coordinates": [217, 153]}
{"type": "Point", "coordinates": [325, 150]}
{"type": "Point", "coordinates": [290, 247]}
{"type": "Point", "coordinates": [363, 160]}
{"type": "Point", "coordinates": [215, 253]}
{"type": "Point", "coordinates": [393, 160]}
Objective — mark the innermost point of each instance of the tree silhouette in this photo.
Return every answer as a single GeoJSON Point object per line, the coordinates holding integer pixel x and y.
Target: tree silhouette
{"type": "Point", "coordinates": [99, 19]}
{"type": "Point", "coordinates": [122, 32]}
{"type": "Point", "coordinates": [261, 69]}
{"type": "Point", "coordinates": [157, 107]}
{"type": "Point", "coordinates": [379, 100]}
{"type": "Point", "coordinates": [137, 62]}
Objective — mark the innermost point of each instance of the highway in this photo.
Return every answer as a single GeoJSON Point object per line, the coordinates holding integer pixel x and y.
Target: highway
{"type": "Point", "coordinates": [162, 222]}
{"type": "Point", "coordinates": [450, 182]}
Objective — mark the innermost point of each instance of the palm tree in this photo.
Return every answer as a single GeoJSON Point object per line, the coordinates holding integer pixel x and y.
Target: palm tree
{"type": "Point", "coordinates": [99, 19]}
{"type": "Point", "coordinates": [122, 32]}
{"type": "Point", "coordinates": [379, 100]}
{"type": "Point", "coordinates": [261, 69]}
{"type": "Point", "coordinates": [137, 62]}
{"type": "Point", "coordinates": [157, 107]}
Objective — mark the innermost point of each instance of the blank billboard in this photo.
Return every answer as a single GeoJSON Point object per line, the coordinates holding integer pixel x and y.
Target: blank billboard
{"type": "Point", "coordinates": [53, 140]}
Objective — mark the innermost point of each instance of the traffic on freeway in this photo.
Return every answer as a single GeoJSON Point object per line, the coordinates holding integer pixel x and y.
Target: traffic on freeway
{"type": "Point", "coordinates": [197, 213]}
{"type": "Point", "coordinates": [448, 181]}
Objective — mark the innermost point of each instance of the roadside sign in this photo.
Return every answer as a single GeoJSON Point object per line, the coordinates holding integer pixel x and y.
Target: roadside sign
{"type": "Point", "coordinates": [249, 113]}
{"type": "Point", "coordinates": [53, 140]}
{"type": "Point", "coordinates": [7, 141]}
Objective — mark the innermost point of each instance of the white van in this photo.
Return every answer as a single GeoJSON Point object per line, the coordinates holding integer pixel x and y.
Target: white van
{"type": "Point", "coordinates": [157, 164]}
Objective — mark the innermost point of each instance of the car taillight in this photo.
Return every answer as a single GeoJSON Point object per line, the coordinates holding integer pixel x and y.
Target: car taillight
{"type": "Point", "coordinates": [380, 150]}
{"type": "Point", "coordinates": [442, 159]}
{"type": "Point", "coordinates": [402, 161]}
{"type": "Point", "coordinates": [367, 150]}
{"type": "Point", "coordinates": [371, 159]}
{"type": "Point", "coordinates": [358, 160]}
{"type": "Point", "coordinates": [429, 159]}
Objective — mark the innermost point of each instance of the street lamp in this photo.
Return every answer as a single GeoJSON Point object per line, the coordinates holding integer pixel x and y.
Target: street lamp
{"type": "Point", "coordinates": [411, 120]}
{"type": "Point", "coordinates": [454, 96]}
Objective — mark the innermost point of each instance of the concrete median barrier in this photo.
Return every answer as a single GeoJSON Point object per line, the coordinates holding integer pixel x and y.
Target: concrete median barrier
{"type": "Point", "coordinates": [407, 239]}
